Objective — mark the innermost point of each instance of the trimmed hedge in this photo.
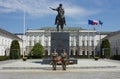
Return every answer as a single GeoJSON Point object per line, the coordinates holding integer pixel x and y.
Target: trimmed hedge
{"type": "Point", "coordinates": [4, 58]}
{"type": "Point", "coordinates": [105, 48]}
{"type": "Point", "coordinates": [116, 57]}
{"type": "Point", "coordinates": [15, 50]}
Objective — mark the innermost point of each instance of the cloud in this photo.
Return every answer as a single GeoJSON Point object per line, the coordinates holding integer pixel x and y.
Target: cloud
{"type": "Point", "coordinates": [76, 11]}
{"type": "Point", "coordinates": [32, 7]}
{"type": "Point", "coordinates": [41, 8]}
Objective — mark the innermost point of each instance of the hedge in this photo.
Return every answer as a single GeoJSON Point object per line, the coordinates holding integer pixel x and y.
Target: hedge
{"type": "Point", "coordinates": [4, 58]}
{"type": "Point", "coordinates": [15, 50]}
{"type": "Point", "coordinates": [116, 57]}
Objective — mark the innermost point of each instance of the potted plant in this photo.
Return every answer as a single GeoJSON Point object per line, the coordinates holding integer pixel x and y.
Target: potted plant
{"type": "Point", "coordinates": [96, 58]}
{"type": "Point", "coordinates": [24, 58]}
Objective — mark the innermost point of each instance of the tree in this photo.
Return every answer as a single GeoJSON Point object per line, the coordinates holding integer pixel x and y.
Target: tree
{"type": "Point", "coordinates": [37, 51]}
{"type": "Point", "coordinates": [15, 50]}
{"type": "Point", "coordinates": [105, 48]}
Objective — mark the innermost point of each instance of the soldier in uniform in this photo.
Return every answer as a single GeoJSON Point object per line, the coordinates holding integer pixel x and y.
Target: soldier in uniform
{"type": "Point", "coordinates": [54, 59]}
{"type": "Point", "coordinates": [64, 60]}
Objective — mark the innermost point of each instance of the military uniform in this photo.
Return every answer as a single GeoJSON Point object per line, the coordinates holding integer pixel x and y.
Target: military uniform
{"type": "Point", "coordinates": [64, 60]}
{"type": "Point", "coordinates": [54, 60]}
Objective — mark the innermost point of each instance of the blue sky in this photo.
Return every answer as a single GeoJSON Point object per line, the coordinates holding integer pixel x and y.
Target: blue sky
{"type": "Point", "coordinates": [77, 13]}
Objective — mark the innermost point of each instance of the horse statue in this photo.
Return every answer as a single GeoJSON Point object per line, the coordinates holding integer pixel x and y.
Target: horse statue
{"type": "Point", "coordinates": [60, 21]}
{"type": "Point", "coordinates": [60, 18]}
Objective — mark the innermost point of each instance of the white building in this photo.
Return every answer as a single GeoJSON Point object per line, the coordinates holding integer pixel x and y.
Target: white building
{"type": "Point", "coordinates": [114, 39]}
{"type": "Point", "coordinates": [5, 41]}
{"type": "Point", "coordinates": [82, 42]}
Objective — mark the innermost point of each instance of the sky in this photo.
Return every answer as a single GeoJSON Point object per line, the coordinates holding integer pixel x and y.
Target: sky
{"type": "Point", "coordinates": [77, 13]}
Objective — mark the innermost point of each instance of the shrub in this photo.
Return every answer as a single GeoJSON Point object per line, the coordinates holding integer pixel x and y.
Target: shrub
{"type": "Point", "coordinates": [37, 51]}
{"type": "Point", "coordinates": [105, 48]}
{"type": "Point", "coordinates": [15, 50]}
{"type": "Point", "coordinates": [96, 58]}
{"type": "Point", "coordinates": [24, 58]}
{"type": "Point", "coordinates": [116, 57]}
{"type": "Point", "coordinates": [4, 58]}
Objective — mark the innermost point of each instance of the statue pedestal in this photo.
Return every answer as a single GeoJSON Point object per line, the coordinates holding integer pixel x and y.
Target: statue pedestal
{"type": "Point", "coordinates": [60, 42]}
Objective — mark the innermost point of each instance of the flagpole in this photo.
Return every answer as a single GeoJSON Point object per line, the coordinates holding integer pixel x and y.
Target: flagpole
{"type": "Point", "coordinates": [94, 43]}
{"type": "Point", "coordinates": [88, 40]}
{"type": "Point", "coordinates": [24, 33]}
{"type": "Point", "coordinates": [100, 39]}
{"type": "Point", "coordinates": [91, 22]}
{"type": "Point", "coordinates": [100, 25]}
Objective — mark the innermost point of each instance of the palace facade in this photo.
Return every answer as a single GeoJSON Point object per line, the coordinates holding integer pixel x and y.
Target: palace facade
{"type": "Point", "coordinates": [114, 39]}
{"type": "Point", "coordinates": [6, 39]}
{"type": "Point", "coordinates": [82, 42]}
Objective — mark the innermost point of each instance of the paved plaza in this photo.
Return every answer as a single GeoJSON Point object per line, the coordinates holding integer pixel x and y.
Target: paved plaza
{"type": "Point", "coordinates": [37, 64]}
{"type": "Point", "coordinates": [85, 69]}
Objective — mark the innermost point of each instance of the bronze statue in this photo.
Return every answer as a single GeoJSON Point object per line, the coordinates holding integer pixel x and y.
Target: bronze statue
{"type": "Point", "coordinates": [60, 18]}
{"type": "Point", "coordinates": [54, 59]}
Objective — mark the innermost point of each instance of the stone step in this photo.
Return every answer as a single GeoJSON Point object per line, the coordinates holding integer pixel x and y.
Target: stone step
{"type": "Point", "coordinates": [59, 67]}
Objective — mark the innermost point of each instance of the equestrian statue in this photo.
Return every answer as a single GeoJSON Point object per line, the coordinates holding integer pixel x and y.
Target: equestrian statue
{"type": "Point", "coordinates": [60, 18]}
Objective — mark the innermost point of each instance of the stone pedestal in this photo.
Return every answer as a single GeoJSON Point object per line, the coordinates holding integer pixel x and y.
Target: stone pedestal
{"type": "Point", "coordinates": [60, 42]}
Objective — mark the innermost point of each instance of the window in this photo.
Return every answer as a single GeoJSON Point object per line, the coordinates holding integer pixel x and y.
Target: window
{"type": "Point", "coordinates": [92, 43]}
{"type": "Point", "coordinates": [72, 41]}
{"type": "Point", "coordinates": [83, 43]}
{"type": "Point", "coordinates": [83, 52]}
{"type": "Point", "coordinates": [87, 43]}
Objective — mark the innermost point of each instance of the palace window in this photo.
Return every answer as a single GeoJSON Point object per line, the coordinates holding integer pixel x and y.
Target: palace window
{"type": "Point", "coordinates": [87, 43]}
{"type": "Point", "coordinates": [83, 43]}
{"type": "Point", "coordinates": [92, 43]}
{"type": "Point", "coordinates": [83, 52]}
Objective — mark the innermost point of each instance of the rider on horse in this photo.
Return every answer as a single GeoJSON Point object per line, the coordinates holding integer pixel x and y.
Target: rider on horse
{"type": "Point", "coordinates": [60, 18]}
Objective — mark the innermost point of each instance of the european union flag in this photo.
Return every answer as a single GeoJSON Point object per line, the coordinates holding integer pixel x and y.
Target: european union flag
{"type": "Point", "coordinates": [100, 22]}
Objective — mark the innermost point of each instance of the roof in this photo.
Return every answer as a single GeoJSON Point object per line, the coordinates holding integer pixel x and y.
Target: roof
{"type": "Point", "coordinates": [18, 33]}
{"type": "Point", "coordinates": [70, 29]}
{"type": "Point", "coordinates": [113, 34]}
{"type": "Point", "coordinates": [104, 33]}
{"type": "Point", "coordinates": [6, 33]}
{"type": "Point", "coordinates": [66, 28]}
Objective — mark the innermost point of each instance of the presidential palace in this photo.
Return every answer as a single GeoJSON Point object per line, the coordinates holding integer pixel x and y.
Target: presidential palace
{"type": "Point", "coordinates": [82, 42]}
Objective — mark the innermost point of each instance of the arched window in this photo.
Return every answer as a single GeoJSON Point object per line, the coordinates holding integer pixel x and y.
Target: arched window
{"type": "Point", "coordinates": [83, 52]}
{"type": "Point", "coordinates": [76, 52]}
{"type": "Point", "coordinates": [71, 52]}
{"type": "Point", "coordinates": [46, 52]}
